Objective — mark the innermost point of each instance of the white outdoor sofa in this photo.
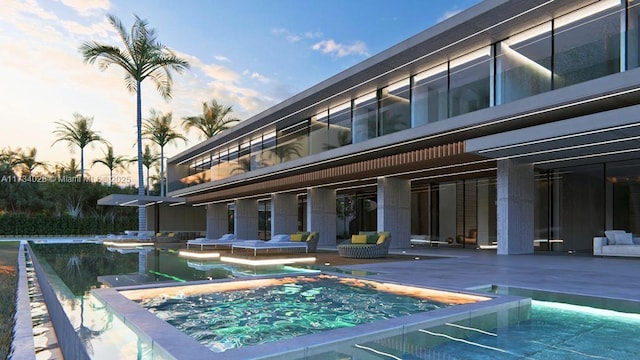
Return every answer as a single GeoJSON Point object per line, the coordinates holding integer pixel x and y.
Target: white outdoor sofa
{"type": "Point", "coordinates": [616, 243]}
{"type": "Point", "coordinates": [225, 240]}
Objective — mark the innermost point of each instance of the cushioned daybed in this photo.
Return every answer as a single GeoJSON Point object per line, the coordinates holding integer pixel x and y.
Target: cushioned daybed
{"type": "Point", "coordinates": [366, 245]}
{"type": "Point", "coordinates": [225, 240]}
{"type": "Point", "coordinates": [306, 241]}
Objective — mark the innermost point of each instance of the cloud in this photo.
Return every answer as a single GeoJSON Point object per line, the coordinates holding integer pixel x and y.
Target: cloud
{"type": "Point", "coordinates": [294, 38]}
{"type": "Point", "coordinates": [222, 58]}
{"type": "Point", "coordinates": [88, 7]}
{"type": "Point", "coordinates": [340, 50]}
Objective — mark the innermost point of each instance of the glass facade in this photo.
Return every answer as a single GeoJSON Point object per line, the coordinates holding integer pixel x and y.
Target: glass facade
{"type": "Point", "coordinates": [365, 118]}
{"type": "Point", "coordinates": [523, 64]}
{"type": "Point", "coordinates": [597, 40]}
{"type": "Point", "coordinates": [395, 108]}
{"type": "Point", "coordinates": [456, 213]}
{"type": "Point", "coordinates": [470, 82]}
{"type": "Point", "coordinates": [587, 43]}
{"type": "Point", "coordinates": [429, 99]}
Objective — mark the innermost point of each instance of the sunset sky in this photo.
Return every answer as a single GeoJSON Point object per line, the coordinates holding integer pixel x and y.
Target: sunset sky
{"type": "Point", "coordinates": [250, 54]}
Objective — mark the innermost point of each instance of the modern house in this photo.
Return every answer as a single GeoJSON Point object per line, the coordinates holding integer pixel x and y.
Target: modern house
{"type": "Point", "coordinates": [512, 125]}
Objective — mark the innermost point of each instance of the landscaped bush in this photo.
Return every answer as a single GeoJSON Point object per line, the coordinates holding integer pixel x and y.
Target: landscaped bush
{"type": "Point", "coordinates": [8, 283]}
{"type": "Point", "coordinates": [40, 224]}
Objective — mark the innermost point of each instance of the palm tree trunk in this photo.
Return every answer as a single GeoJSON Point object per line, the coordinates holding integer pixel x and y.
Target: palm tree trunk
{"type": "Point", "coordinates": [161, 170]}
{"type": "Point", "coordinates": [81, 165]}
{"type": "Point", "coordinates": [142, 213]}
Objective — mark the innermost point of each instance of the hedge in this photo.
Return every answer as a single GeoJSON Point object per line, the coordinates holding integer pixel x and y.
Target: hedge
{"type": "Point", "coordinates": [39, 224]}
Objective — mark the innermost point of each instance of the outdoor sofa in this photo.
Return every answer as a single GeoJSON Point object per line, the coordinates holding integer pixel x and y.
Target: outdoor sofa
{"type": "Point", "coordinates": [366, 245]}
{"type": "Point", "coordinates": [302, 240]}
{"type": "Point", "coordinates": [616, 243]}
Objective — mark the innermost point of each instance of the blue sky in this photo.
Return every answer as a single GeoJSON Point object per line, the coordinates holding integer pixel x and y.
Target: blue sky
{"type": "Point", "coordinates": [250, 54]}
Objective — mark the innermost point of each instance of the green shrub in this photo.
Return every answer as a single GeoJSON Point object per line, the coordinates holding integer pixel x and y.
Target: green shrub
{"type": "Point", "coordinates": [42, 224]}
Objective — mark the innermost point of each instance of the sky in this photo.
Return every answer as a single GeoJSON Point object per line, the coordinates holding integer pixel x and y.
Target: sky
{"type": "Point", "coordinates": [250, 54]}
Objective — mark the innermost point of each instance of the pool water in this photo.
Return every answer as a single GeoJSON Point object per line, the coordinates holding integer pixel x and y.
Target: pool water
{"type": "Point", "coordinates": [294, 306]}
{"type": "Point", "coordinates": [555, 331]}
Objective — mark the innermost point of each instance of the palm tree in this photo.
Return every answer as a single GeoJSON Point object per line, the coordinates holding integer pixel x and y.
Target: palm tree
{"type": "Point", "coordinates": [27, 160]}
{"type": "Point", "coordinates": [111, 161]}
{"type": "Point", "coordinates": [142, 57]}
{"type": "Point", "coordinates": [69, 170]}
{"type": "Point", "coordinates": [78, 133]}
{"type": "Point", "coordinates": [215, 118]}
{"type": "Point", "coordinates": [157, 128]}
{"type": "Point", "coordinates": [148, 160]}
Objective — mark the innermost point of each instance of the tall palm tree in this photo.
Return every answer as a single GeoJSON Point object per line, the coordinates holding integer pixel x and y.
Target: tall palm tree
{"type": "Point", "coordinates": [27, 160]}
{"type": "Point", "coordinates": [215, 118]}
{"type": "Point", "coordinates": [111, 161]}
{"type": "Point", "coordinates": [148, 160]}
{"type": "Point", "coordinates": [77, 133]}
{"type": "Point", "coordinates": [142, 57]}
{"type": "Point", "coordinates": [157, 128]}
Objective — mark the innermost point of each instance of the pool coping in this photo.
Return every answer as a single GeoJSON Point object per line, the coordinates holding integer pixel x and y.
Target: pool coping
{"type": "Point", "coordinates": [173, 343]}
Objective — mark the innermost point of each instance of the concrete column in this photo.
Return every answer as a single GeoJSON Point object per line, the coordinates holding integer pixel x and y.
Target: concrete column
{"type": "Point", "coordinates": [217, 220]}
{"type": "Point", "coordinates": [321, 214]}
{"type": "Point", "coordinates": [394, 210]}
{"type": "Point", "coordinates": [246, 219]}
{"type": "Point", "coordinates": [284, 214]}
{"type": "Point", "coordinates": [515, 207]}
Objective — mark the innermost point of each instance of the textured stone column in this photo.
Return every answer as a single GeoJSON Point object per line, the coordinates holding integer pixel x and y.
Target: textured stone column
{"type": "Point", "coordinates": [217, 220]}
{"type": "Point", "coordinates": [246, 219]}
{"type": "Point", "coordinates": [284, 214]}
{"type": "Point", "coordinates": [515, 207]}
{"type": "Point", "coordinates": [321, 214]}
{"type": "Point", "coordinates": [394, 210]}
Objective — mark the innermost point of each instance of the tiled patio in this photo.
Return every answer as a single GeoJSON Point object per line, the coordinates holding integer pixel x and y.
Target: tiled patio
{"type": "Point", "coordinates": [463, 269]}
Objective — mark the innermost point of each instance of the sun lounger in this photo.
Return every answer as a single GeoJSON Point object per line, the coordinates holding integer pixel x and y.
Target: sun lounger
{"type": "Point", "coordinates": [280, 242]}
{"type": "Point", "coordinates": [225, 240]}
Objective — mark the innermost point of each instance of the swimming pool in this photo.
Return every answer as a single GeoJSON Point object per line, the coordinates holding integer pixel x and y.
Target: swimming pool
{"type": "Point", "coordinates": [553, 330]}
{"type": "Point", "coordinates": [74, 269]}
{"type": "Point", "coordinates": [232, 315]}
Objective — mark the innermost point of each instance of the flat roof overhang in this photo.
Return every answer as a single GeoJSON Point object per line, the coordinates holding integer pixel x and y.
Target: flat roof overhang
{"type": "Point", "coordinates": [605, 136]}
{"type": "Point", "coordinates": [139, 200]}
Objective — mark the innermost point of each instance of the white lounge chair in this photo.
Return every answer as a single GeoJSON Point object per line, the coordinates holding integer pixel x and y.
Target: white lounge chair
{"type": "Point", "coordinates": [225, 240]}
{"type": "Point", "coordinates": [277, 242]}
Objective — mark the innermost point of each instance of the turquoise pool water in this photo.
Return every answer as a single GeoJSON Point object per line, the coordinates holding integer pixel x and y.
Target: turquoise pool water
{"type": "Point", "coordinates": [291, 307]}
{"type": "Point", "coordinates": [553, 330]}
{"type": "Point", "coordinates": [74, 269]}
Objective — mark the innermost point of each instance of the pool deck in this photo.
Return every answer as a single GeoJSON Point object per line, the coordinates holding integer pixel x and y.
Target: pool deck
{"type": "Point", "coordinates": [611, 277]}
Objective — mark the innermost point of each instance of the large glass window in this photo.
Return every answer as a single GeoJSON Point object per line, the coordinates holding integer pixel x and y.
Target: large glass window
{"type": "Point", "coordinates": [269, 149]}
{"type": "Point", "coordinates": [319, 133]}
{"type": "Point", "coordinates": [244, 159]}
{"type": "Point", "coordinates": [587, 43]}
{"type": "Point", "coordinates": [365, 118]}
{"type": "Point", "coordinates": [339, 126]}
{"type": "Point", "coordinates": [524, 64]}
{"type": "Point", "coordinates": [292, 142]}
{"type": "Point", "coordinates": [569, 226]}
{"type": "Point", "coordinates": [470, 85]}
{"type": "Point", "coordinates": [633, 34]}
{"type": "Point", "coordinates": [256, 153]}
{"type": "Point", "coordinates": [395, 109]}
{"type": "Point", "coordinates": [623, 178]}
{"type": "Point", "coordinates": [429, 96]}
